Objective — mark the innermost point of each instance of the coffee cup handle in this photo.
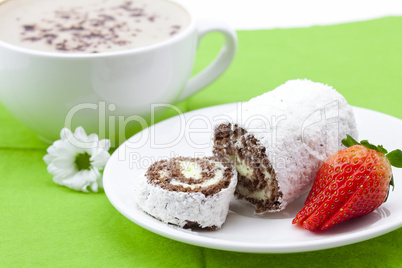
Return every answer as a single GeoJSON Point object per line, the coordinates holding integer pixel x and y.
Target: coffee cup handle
{"type": "Point", "coordinates": [220, 63]}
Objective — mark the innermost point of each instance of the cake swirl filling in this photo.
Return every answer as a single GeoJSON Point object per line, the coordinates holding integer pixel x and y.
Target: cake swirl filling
{"type": "Point", "coordinates": [256, 176]}
{"type": "Point", "coordinates": [186, 174]}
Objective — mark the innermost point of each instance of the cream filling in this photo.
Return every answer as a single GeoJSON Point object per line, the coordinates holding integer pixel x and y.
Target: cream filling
{"type": "Point", "coordinates": [256, 195]}
{"type": "Point", "coordinates": [190, 169]}
{"type": "Point", "coordinates": [247, 172]}
{"type": "Point", "coordinates": [243, 169]}
{"type": "Point", "coordinates": [193, 170]}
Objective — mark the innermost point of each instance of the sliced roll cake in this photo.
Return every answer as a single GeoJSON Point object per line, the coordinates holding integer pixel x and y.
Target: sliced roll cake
{"type": "Point", "coordinates": [188, 192]}
{"type": "Point", "coordinates": [278, 141]}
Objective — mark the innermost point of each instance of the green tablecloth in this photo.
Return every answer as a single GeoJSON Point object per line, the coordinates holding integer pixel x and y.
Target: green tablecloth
{"type": "Point", "coordinates": [44, 224]}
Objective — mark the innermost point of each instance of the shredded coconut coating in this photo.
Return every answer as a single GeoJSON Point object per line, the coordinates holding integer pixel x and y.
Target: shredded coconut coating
{"type": "Point", "coordinates": [185, 208]}
{"type": "Point", "coordinates": [300, 123]}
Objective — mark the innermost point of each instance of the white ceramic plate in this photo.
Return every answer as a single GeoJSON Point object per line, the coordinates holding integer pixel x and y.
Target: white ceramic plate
{"type": "Point", "coordinates": [190, 134]}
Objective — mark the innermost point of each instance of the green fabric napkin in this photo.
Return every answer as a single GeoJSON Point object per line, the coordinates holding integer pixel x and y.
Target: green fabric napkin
{"type": "Point", "coordinates": [43, 224]}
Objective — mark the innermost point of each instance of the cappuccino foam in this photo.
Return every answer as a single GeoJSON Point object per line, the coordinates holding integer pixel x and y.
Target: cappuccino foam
{"type": "Point", "coordinates": [89, 26]}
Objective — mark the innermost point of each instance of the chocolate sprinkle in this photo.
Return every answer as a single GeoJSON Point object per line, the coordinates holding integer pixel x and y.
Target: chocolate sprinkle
{"type": "Point", "coordinates": [73, 29]}
{"type": "Point", "coordinates": [29, 28]}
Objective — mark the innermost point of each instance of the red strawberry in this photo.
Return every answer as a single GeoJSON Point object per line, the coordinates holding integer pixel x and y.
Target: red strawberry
{"type": "Point", "coordinates": [351, 183]}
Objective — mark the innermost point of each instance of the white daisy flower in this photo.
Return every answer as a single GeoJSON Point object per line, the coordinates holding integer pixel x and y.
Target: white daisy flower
{"type": "Point", "coordinates": [76, 160]}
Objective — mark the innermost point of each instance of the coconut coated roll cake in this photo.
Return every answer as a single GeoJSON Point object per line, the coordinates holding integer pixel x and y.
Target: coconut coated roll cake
{"type": "Point", "coordinates": [279, 140]}
{"type": "Point", "coordinates": [188, 192]}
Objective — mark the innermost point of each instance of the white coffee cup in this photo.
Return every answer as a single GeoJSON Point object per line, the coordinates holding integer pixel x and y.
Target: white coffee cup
{"type": "Point", "coordinates": [47, 91]}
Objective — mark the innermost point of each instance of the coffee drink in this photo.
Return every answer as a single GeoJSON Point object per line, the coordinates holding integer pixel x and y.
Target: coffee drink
{"type": "Point", "coordinates": [89, 26]}
{"type": "Point", "coordinates": [108, 65]}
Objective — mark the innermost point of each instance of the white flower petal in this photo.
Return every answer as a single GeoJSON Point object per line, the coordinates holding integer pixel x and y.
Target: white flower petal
{"type": "Point", "coordinates": [81, 180]}
{"type": "Point", "coordinates": [93, 138]}
{"type": "Point", "coordinates": [94, 187]}
{"type": "Point", "coordinates": [65, 133]}
{"type": "Point", "coordinates": [104, 144]}
{"type": "Point", "coordinates": [48, 158]}
{"type": "Point", "coordinates": [80, 134]}
{"type": "Point", "coordinates": [99, 158]}
{"type": "Point", "coordinates": [60, 174]}
{"type": "Point", "coordinates": [100, 182]}
{"type": "Point", "coordinates": [63, 163]}
{"type": "Point", "coordinates": [100, 163]}
{"type": "Point", "coordinates": [63, 147]}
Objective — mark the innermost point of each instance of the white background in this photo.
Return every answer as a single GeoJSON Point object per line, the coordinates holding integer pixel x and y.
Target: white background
{"type": "Point", "coordinates": [268, 14]}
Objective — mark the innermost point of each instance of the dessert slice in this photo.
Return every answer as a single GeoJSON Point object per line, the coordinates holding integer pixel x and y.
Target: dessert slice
{"type": "Point", "coordinates": [278, 141]}
{"type": "Point", "coordinates": [188, 192]}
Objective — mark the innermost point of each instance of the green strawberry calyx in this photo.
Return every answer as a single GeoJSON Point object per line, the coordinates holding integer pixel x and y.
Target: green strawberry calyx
{"type": "Point", "coordinates": [394, 157]}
